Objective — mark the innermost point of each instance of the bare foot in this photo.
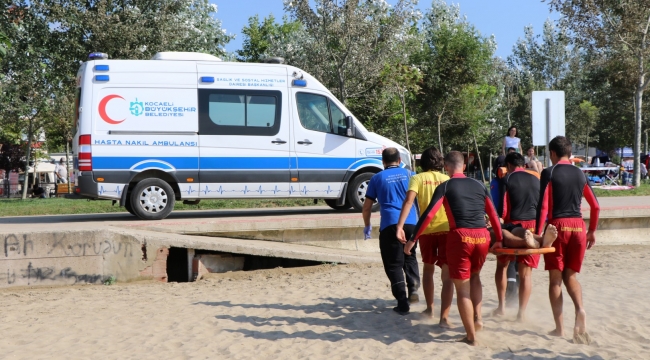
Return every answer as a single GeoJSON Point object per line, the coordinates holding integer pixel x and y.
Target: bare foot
{"type": "Point", "coordinates": [582, 338]}
{"type": "Point", "coordinates": [530, 240]}
{"type": "Point", "coordinates": [556, 332]}
{"type": "Point", "coordinates": [498, 312]}
{"type": "Point", "coordinates": [580, 335]}
{"type": "Point", "coordinates": [478, 325]}
{"type": "Point", "coordinates": [445, 324]}
{"type": "Point", "coordinates": [468, 341]}
{"type": "Point", "coordinates": [521, 317]}
{"type": "Point", "coordinates": [428, 313]}
{"type": "Point", "coordinates": [549, 236]}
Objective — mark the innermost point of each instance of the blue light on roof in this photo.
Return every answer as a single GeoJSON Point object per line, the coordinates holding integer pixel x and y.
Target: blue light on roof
{"type": "Point", "coordinates": [98, 56]}
{"type": "Point", "coordinates": [301, 83]}
{"type": "Point", "coordinates": [101, 67]}
{"type": "Point", "coordinates": [101, 77]}
{"type": "Point", "coordinates": [207, 79]}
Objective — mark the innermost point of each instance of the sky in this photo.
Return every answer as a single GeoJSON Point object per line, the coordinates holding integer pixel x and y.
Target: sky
{"type": "Point", "coordinates": [505, 19]}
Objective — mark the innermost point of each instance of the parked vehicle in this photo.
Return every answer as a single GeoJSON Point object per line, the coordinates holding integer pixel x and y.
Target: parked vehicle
{"type": "Point", "coordinates": [188, 126]}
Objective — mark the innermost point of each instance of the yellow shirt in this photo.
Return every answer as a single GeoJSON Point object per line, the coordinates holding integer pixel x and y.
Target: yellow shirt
{"type": "Point", "coordinates": [424, 184]}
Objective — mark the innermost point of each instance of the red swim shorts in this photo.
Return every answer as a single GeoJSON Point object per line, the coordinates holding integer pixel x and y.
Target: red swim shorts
{"type": "Point", "coordinates": [433, 248]}
{"type": "Point", "coordinates": [466, 251]}
{"type": "Point", "coordinates": [528, 260]}
{"type": "Point", "coordinates": [570, 245]}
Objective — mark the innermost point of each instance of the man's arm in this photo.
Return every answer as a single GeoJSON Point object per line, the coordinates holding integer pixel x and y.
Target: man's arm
{"type": "Point", "coordinates": [367, 210]}
{"type": "Point", "coordinates": [406, 209]}
{"type": "Point", "coordinates": [589, 195]}
{"type": "Point", "coordinates": [542, 204]}
{"type": "Point", "coordinates": [494, 218]}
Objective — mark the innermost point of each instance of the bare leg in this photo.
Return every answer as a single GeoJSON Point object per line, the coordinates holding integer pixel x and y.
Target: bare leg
{"type": "Point", "coordinates": [555, 295]}
{"type": "Point", "coordinates": [446, 296]}
{"type": "Point", "coordinates": [574, 289]}
{"type": "Point", "coordinates": [427, 287]}
{"type": "Point", "coordinates": [465, 308]}
{"type": "Point", "coordinates": [525, 288]}
{"type": "Point", "coordinates": [514, 239]}
{"type": "Point", "coordinates": [501, 280]}
{"type": "Point", "coordinates": [476, 294]}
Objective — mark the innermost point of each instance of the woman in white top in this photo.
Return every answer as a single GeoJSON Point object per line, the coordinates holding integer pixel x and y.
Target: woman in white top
{"type": "Point", "coordinates": [511, 141]}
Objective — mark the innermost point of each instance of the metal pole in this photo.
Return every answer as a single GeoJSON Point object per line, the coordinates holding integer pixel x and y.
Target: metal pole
{"type": "Point", "coordinates": [548, 131]}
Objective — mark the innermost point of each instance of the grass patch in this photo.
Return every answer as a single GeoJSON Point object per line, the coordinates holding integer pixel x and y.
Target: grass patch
{"type": "Point", "coordinates": [643, 190]}
{"type": "Point", "coordinates": [61, 206]}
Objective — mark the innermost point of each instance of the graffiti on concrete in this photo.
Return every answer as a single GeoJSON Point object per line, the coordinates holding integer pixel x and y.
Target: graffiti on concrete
{"type": "Point", "coordinates": [33, 275]}
{"type": "Point", "coordinates": [60, 245]}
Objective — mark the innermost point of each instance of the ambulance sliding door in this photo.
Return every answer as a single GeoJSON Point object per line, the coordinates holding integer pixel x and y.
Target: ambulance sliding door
{"type": "Point", "coordinates": [244, 141]}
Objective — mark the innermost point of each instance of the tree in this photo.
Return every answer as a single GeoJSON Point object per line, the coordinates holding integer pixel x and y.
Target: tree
{"type": "Point", "coordinates": [348, 42]}
{"type": "Point", "coordinates": [586, 119]}
{"type": "Point", "coordinates": [621, 28]}
{"type": "Point", "coordinates": [4, 45]}
{"type": "Point", "coordinates": [263, 40]}
{"type": "Point", "coordinates": [454, 55]}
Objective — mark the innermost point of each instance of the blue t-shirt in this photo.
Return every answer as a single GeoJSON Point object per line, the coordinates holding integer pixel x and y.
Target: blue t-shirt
{"type": "Point", "coordinates": [389, 188]}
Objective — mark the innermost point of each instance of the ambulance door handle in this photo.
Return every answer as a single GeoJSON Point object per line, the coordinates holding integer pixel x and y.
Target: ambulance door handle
{"type": "Point", "coordinates": [306, 142]}
{"type": "Point", "coordinates": [279, 142]}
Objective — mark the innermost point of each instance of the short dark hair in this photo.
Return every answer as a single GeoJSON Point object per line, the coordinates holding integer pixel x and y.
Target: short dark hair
{"type": "Point", "coordinates": [390, 155]}
{"type": "Point", "coordinates": [561, 146]}
{"type": "Point", "coordinates": [454, 158]}
{"type": "Point", "coordinates": [515, 159]}
{"type": "Point", "coordinates": [511, 149]}
{"type": "Point", "coordinates": [431, 159]}
{"type": "Point", "coordinates": [516, 131]}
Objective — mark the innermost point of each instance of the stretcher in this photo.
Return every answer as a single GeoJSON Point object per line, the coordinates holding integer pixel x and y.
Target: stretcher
{"type": "Point", "coordinates": [512, 251]}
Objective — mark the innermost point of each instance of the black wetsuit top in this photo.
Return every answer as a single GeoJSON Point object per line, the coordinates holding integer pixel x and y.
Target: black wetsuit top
{"type": "Point", "coordinates": [561, 189]}
{"type": "Point", "coordinates": [466, 201]}
{"type": "Point", "coordinates": [520, 191]}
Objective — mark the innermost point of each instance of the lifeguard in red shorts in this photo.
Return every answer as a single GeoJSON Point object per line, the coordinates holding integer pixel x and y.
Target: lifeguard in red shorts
{"type": "Point", "coordinates": [433, 241]}
{"type": "Point", "coordinates": [562, 187]}
{"type": "Point", "coordinates": [466, 201]}
{"type": "Point", "coordinates": [520, 190]}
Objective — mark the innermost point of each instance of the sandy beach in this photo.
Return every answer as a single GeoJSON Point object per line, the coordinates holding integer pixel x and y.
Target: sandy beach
{"type": "Point", "coordinates": [321, 312]}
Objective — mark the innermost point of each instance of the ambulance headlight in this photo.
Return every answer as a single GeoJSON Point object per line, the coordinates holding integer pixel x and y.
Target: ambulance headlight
{"type": "Point", "coordinates": [406, 158]}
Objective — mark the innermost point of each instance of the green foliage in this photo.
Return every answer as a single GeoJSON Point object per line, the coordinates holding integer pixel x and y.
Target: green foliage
{"type": "Point", "coordinates": [262, 39]}
{"type": "Point", "coordinates": [4, 45]}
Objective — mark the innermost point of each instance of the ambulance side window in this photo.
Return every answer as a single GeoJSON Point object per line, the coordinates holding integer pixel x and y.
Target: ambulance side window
{"type": "Point", "coordinates": [239, 112]}
{"type": "Point", "coordinates": [318, 113]}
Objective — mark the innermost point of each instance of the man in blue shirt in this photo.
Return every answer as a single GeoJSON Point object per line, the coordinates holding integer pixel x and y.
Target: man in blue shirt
{"type": "Point", "coordinates": [389, 188]}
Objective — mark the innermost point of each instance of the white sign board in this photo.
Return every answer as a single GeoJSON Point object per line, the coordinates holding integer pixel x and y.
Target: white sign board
{"type": "Point", "coordinates": [544, 131]}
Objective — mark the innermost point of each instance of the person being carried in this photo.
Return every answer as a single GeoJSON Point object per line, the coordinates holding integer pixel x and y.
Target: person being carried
{"type": "Point", "coordinates": [466, 201]}
{"type": "Point", "coordinates": [433, 241]}
{"type": "Point", "coordinates": [562, 187]}
{"type": "Point", "coordinates": [520, 190]}
{"type": "Point", "coordinates": [389, 188]}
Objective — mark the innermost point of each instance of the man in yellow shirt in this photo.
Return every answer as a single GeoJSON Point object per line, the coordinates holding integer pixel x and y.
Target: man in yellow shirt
{"type": "Point", "coordinates": [434, 239]}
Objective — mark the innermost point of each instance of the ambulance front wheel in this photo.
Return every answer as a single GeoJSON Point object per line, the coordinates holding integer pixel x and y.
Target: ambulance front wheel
{"type": "Point", "coordinates": [152, 199]}
{"type": "Point", "coordinates": [357, 191]}
{"type": "Point", "coordinates": [128, 207]}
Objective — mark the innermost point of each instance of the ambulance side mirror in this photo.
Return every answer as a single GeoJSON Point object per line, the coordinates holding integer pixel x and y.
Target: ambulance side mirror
{"type": "Point", "coordinates": [349, 125]}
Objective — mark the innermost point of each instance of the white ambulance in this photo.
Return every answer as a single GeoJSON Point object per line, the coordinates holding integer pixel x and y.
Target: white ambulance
{"type": "Point", "coordinates": [188, 126]}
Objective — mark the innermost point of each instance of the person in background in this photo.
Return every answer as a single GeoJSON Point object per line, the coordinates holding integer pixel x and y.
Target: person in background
{"type": "Point", "coordinates": [61, 172]}
{"type": "Point", "coordinates": [532, 162]}
{"type": "Point", "coordinates": [38, 192]}
{"type": "Point", "coordinates": [511, 141]}
{"type": "Point", "coordinates": [389, 189]}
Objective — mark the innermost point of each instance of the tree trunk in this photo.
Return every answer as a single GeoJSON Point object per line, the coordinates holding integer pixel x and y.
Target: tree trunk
{"type": "Point", "coordinates": [478, 156]}
{"type": "Point", "coordinates": [587, 144]}
{"type": "Point", "coordinates": [439, 136]}
{"type": "Point", "coordinates": [637, 133]}
{"type": "Point", "coordinates": [406, 129]}
{"type": "Point", "coordinates": [67, 164]}
{"type": "Point", "coordinates": [28, 154]}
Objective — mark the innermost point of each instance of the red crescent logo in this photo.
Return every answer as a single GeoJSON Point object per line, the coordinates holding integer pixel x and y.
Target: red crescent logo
{"type": "Point", "coordinates": [102, 109]}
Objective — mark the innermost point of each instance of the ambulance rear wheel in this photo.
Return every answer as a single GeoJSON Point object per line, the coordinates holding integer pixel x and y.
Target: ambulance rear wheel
{"type": "Point", "coordinates": [357, 191]}
{"type": "Point", "coordinates": [332, 203]}
{"type": "Point", "coordinates": [152, 199]}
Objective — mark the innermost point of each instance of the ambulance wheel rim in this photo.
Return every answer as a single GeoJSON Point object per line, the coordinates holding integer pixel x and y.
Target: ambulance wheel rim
{"type": "Point", "coordinates": [153, 199]}
{"type": "Point", "coordinates": [362, 189]}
